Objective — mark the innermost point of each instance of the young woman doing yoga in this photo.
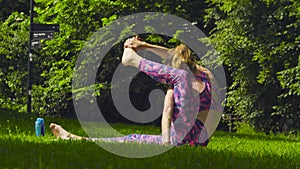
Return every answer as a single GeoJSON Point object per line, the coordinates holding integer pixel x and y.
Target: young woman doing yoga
{"type": "Point", "coordinates": [181, 103]}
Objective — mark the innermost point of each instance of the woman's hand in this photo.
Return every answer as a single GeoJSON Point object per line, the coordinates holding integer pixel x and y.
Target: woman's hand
{"type": "Point", "coordinates": [166, 143]}
{"type": "Point", "coordinates": [135, 43]}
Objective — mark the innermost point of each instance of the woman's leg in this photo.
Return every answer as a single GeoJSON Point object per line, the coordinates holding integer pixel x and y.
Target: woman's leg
{"type": "Point", "coordinates": [61, 133]}
{"type": "Point", "coordinates": [138, 138]}
{"type": "Point", "coordinates": [131, 58]}
{"type": "Point", "coordinates": [185, 98]}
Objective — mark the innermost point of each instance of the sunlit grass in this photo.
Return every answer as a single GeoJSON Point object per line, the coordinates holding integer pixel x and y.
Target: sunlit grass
{"type": "Point", "coordinates": [20, 148]}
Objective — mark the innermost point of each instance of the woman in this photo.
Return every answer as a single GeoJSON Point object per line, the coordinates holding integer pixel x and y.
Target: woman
{"type": "Point", "coordinates": [181, 103]}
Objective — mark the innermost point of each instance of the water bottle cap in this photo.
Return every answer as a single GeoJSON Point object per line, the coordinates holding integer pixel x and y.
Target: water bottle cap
{"type": "Point", "coordinates": [39, 119]}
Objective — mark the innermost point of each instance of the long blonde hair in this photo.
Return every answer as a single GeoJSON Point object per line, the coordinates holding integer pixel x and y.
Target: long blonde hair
{"type": "Point", "coordinates": [181, 57]}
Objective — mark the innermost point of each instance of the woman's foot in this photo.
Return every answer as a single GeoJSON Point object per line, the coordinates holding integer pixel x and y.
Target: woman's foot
{"type": "Point", "coordinates": [61, 133]}
{"type": "Point", "coordinates": [130, 58]}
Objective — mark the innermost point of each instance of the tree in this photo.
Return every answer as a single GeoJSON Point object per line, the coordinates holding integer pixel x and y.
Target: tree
{"type": "Point", "coordinates": [13, 64]}
{"type": "Point", "coordinates": [259, 43]}
{"type": "Point", "coordinates": [8, 7]}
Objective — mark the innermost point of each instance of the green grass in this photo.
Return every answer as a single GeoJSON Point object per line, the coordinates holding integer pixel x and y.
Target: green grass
{"type": "Point", "coordinates": [20, 148]}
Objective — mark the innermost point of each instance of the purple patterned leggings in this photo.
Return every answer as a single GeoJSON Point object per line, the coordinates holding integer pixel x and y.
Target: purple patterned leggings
{"type": "Point", "coordinates": [185, 128]}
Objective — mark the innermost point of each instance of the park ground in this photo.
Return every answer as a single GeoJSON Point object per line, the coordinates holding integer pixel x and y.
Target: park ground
{"type": "Point", "coordinates": [246, 148]}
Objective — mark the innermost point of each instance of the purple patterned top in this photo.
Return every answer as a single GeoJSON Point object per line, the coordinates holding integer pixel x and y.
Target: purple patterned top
{"type": "Point", "coordinates": [205, 95]}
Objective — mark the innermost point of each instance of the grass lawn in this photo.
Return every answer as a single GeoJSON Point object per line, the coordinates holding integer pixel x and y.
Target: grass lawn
{"type": "Point", "coordinates": [20, 148]}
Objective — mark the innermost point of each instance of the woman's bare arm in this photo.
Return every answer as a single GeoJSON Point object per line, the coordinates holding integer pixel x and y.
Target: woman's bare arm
{"type": "Point", "coordinates": [158, 50]}
{"type": "Point", "coordinates": [167, 116]}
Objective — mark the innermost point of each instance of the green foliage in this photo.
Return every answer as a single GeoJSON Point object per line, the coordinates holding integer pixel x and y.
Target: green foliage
{"type": "Point", "coordinates": [54, 94]}
{"type": "Point", "coordinates": [259, 43]}
{"type": "Point", "coordinates": [78, 20]}
{"type": "Point", "coordinates": [13, 62]}
{"type": "Point", "coordinates": [290, 79]}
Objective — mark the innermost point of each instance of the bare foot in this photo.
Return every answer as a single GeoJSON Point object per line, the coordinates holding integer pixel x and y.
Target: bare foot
{"type": "Point", "coordinates": [61, 133]}
{"type": "Point", "coordinates": [130, 58]}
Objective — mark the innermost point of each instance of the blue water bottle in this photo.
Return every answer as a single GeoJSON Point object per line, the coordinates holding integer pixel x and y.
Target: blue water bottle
{"type": "Point", "coordinates": [39, 127]}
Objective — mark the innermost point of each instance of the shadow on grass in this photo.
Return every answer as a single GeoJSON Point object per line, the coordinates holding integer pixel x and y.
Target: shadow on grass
{"type": "Point", "coordinates": [258, 136]}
